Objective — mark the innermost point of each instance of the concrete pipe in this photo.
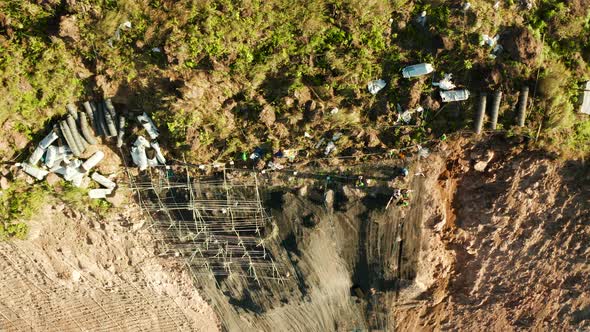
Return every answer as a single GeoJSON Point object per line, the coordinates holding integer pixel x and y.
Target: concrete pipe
{"type": "Point", "coordinates": [67, 134]}
{"type": "Point", "coordinates": [86, 129]}
{"type": "Point", "coordinates": [33, 171]}
{"type": "Point", "coordinates": [121, 131]}
{"type": "Point", "coordinates": [97, 126]}
{"type": "Point", "coordinates": [522, 104]}
{"type": "Point", "coordinates": [481, 109]}
{"type": "Point", "coordinates": [89, 113]}
{"type": "Point", "coordinates": [82, 144]}
{"type": "Point", "coordinates": [51, 156]}
{"type": "Point", "coordinates": [99, 193]}
{"type": "Point", "coordinates": [103, 180]}
{"type": "Point", "coordinates": [101, 121]}
{"type": "Point", "coordinates": [37, 155]}
{"type": "Point", "coordinates": [47, 140]}
{"type": "Point", "coordinates": [109, 106]}
{"type": "Point", "coordinates": [72, 110]}
{"type": "Point", "coordinates": [496, 109]}
{"type": "Point", "coordinates": [109, 121]}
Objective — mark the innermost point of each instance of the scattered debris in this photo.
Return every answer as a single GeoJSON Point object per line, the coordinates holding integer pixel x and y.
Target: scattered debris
{"type": "Point", "coordinates": [329, 148]}
{"type": "Point", "coordinates": [454, 95]}
{"type": "Point", "coordinates": [421, 19]}
{"type": "Point", "coordinates": [406, 116]}
{"type": "Point", "coordinates": [376, 86]}
{"type": "Point", "coordinates": [423, 152]}
{"type": "Point", "coordinates": [481, 165]}
{"type": "Point", "coordinates": [528, 4]}
{"type": "Point", "coordinates": [274, 166]}
{"type": "Point", "coordinates": [417, 70]}
{"type": "Point", "coordinates": [466, 6]}
{"type": "Point", "coordinates": [320, 142]}
{"type": "Point", "coordinates": [489, 41]}
{"type": "Point", "coordinates": [445, 83]}
{"type": "Point", "coordinates": [585, 99]}
{"type": "Point", "coordinates": [123, 26]}
{"type": "Point", "coordinates": [334, 111]}
{"type": "Point", "coordinates": [257, 154]}
{"type": "Point", "coordinates": [493, 43]}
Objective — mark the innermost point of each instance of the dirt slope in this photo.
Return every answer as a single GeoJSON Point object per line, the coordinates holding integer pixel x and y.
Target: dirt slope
{"type": "Point", "coordinates": [516, 244]}
{"type": "Point", "coordinates": [493, 238]}
{"type": "Point", "coordinates": [76, 273]}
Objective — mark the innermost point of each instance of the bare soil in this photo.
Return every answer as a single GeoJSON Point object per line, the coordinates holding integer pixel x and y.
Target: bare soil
{"type": "Point", "coordinates": [494, 237]}
{"type": "Point", "coordinates": [78, 273]}
{"type": "Point", "coordinates": [510, 246]}
{"type": "Point", "coordinates": [522, 45]}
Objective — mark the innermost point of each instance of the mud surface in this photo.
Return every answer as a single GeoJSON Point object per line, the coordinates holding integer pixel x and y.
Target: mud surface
{"type": "Point", "coordinates": [346, 252]}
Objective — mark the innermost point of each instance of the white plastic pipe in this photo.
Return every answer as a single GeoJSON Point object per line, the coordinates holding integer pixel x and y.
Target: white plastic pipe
{"type": "Point", "coordinates": [139, 157]}
{"type": "Point", "coordinates": [159, 154]}
{"type": "Point", "coordinates": [149, 125]}
{"type": "Point", "coordinates": [36, 156]}
{"type": "Point", "coordinates": [93, 160]}
{"type": "Point", "coordinates": [33, 171]}
{"type": "Point", "coordinates": [141, 141]}
{"type": "Point", "coordinates": [103, 180]}
{"type": "Point", "coordinates": [51, 156]}
{"type": "Point", "coordinates": [47, 140]}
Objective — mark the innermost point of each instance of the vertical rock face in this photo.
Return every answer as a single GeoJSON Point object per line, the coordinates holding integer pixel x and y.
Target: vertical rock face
{"type": "Point", "coordinates": [513, 236]}
{"type": "Point", "coordinates": [342, 252]}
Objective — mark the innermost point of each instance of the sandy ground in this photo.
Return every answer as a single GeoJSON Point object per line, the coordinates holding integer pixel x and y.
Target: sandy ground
{"type": "Point", "coordinates": [76, 273]}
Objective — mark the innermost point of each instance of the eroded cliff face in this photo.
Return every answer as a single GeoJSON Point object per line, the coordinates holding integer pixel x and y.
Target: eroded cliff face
{"type": "Point", "coordinates": [493, 238]}
{"type": "Point", "coordinates": [508, 246]}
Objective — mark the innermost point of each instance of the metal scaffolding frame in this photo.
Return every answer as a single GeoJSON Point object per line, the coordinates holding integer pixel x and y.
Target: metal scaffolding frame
{"type": "Point", "coordinates": [216, 223]}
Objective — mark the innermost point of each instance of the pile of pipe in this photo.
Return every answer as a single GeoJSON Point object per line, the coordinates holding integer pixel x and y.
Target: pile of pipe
{"type": "Point", "coordinates": [144, 153]}
{"type": "Point", "coordinates": [72, 136]}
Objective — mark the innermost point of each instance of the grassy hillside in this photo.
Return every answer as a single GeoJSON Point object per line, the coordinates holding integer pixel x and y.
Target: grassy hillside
{"type": "Point", "coordinates": [232, 75]}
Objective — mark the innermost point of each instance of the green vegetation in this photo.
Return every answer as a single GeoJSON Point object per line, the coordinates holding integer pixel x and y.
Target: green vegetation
{"type": "Point", "coordinates": [17, 204]}
{"type": "Point", "coordinates": [77, 198]}
{"type": "Point", "coordinates": [37, 71]}
{"type": "Point", "coordinates": [225, 76]}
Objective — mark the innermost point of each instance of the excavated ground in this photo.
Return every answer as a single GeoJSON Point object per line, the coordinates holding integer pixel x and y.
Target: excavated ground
{"type": "Point", "coordinates": [509, 247]}
{"type": "Point", "coordinates": [493, 238]}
